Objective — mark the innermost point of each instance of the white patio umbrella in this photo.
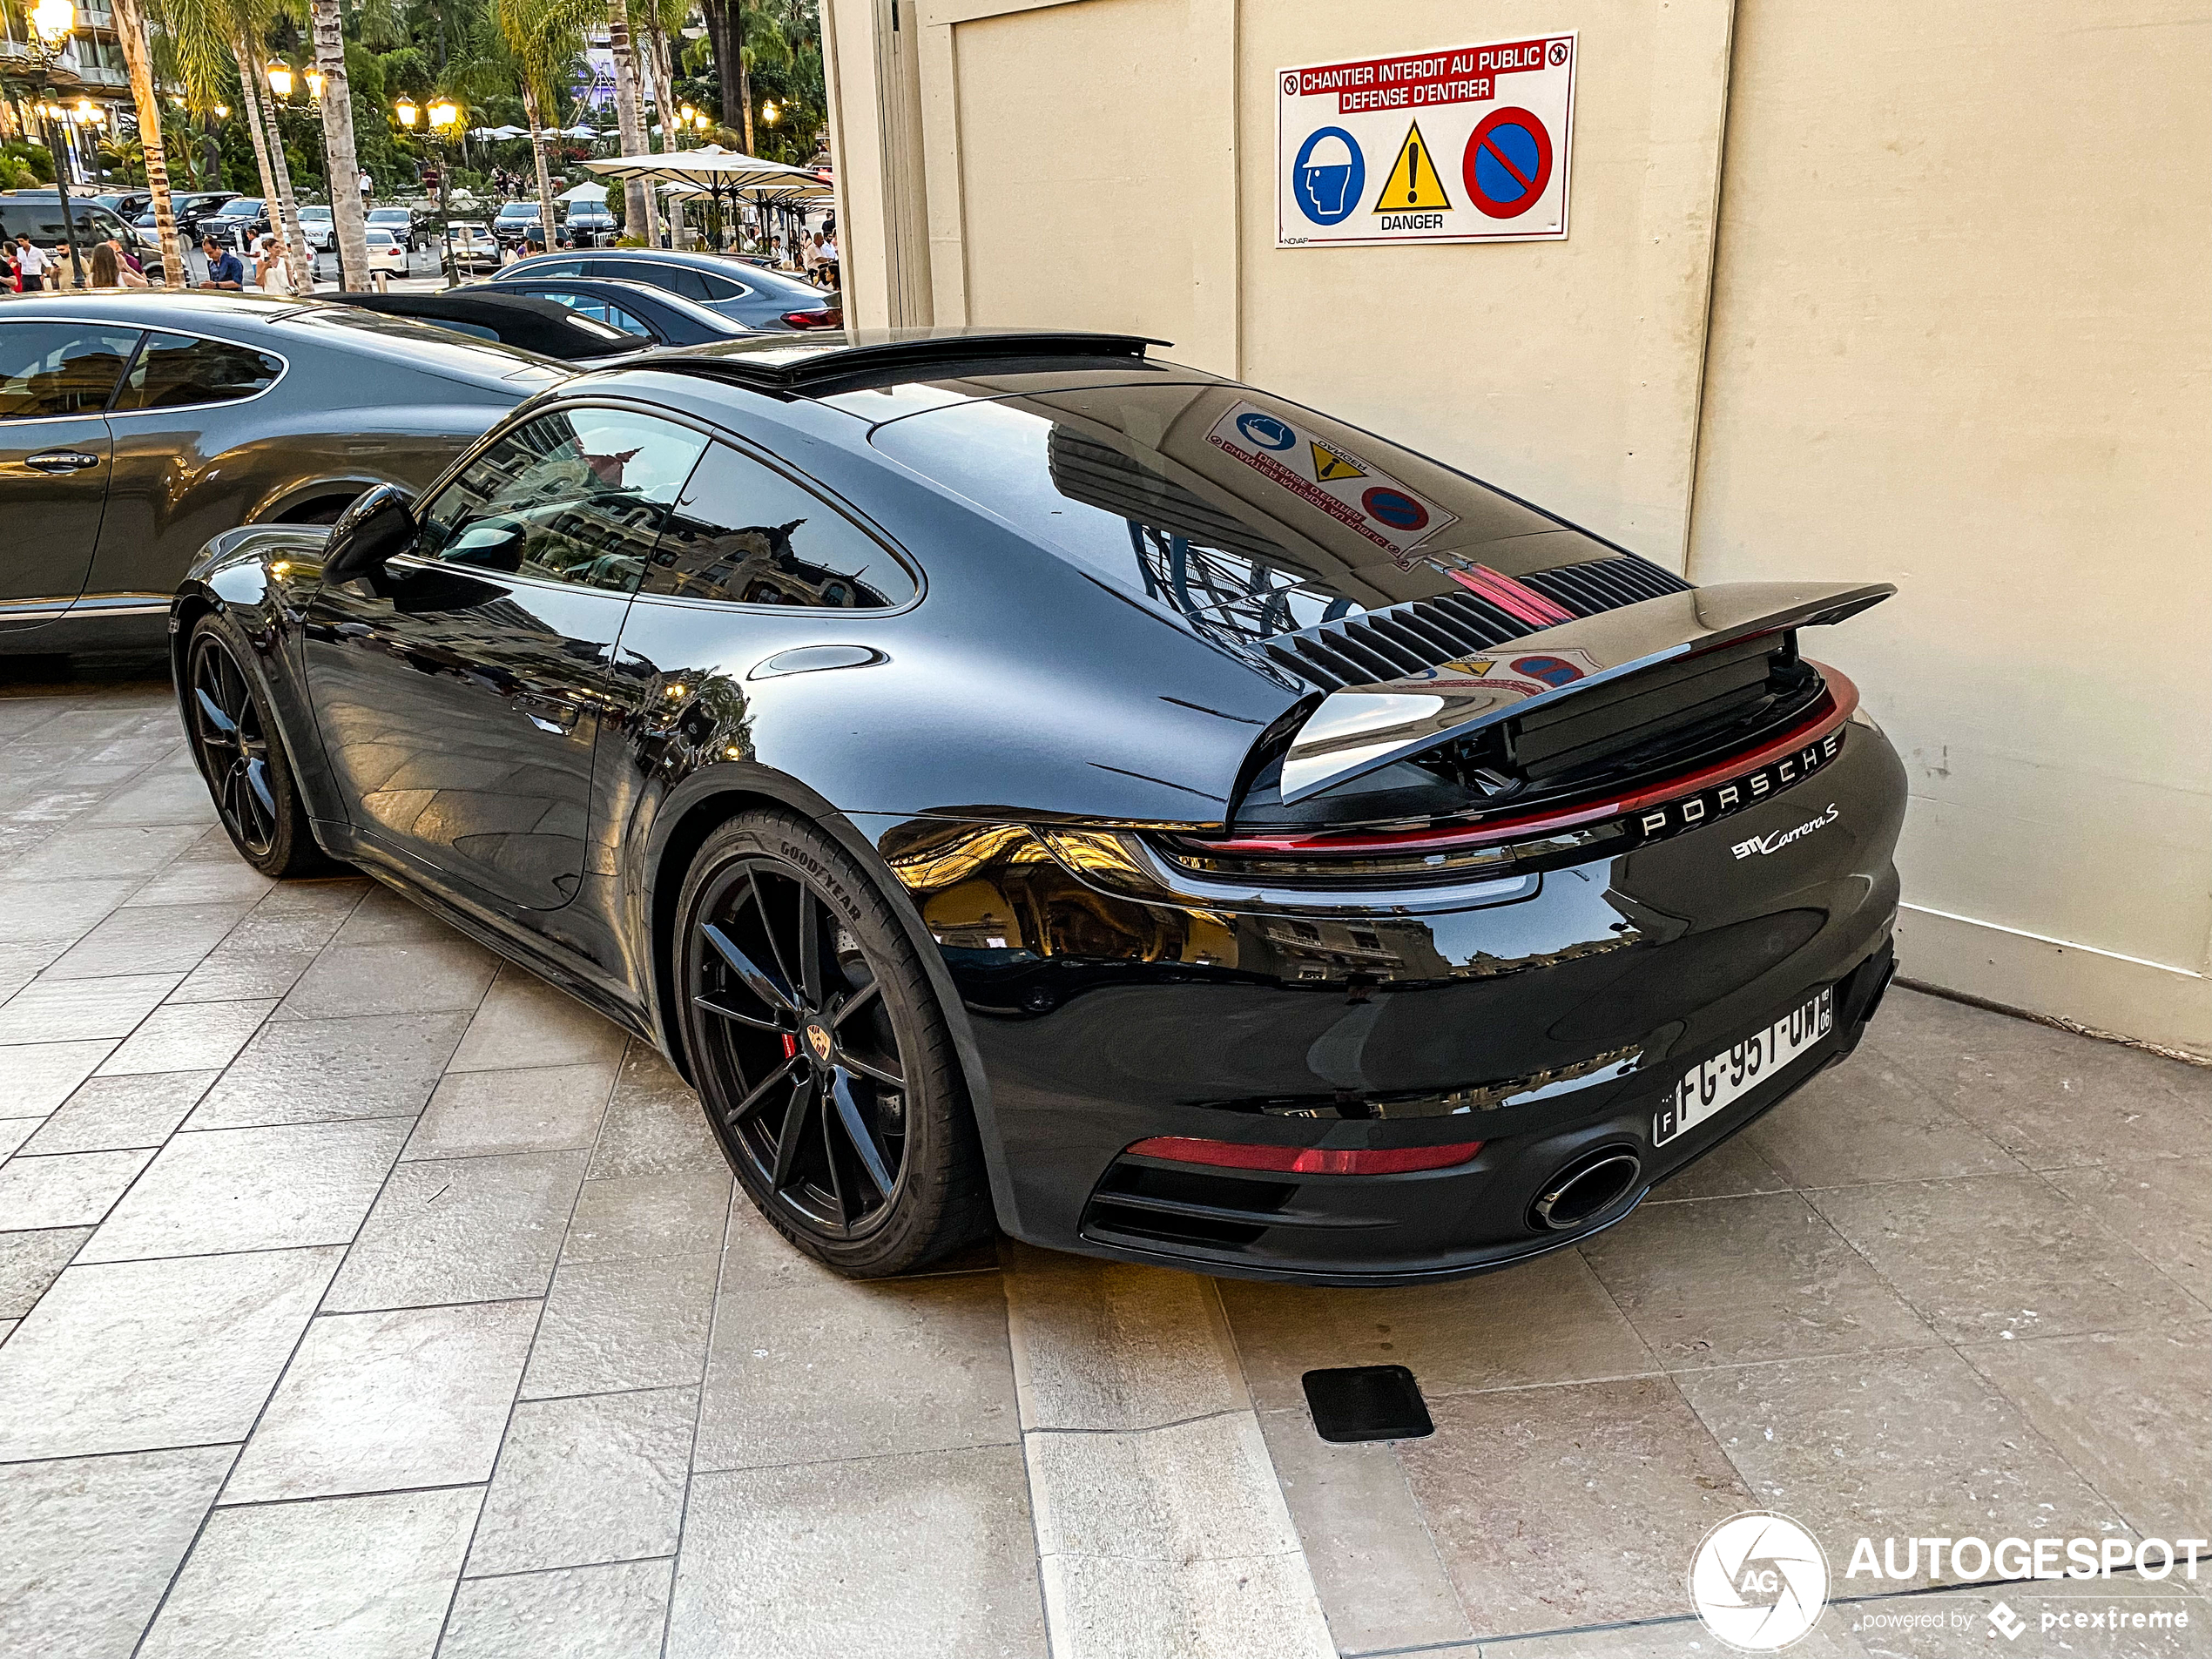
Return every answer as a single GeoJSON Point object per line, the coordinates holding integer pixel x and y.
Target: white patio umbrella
{"type": "Point", "coordinates": [587, 193]}
{"type": "Point", "coordinates": [709, 171]}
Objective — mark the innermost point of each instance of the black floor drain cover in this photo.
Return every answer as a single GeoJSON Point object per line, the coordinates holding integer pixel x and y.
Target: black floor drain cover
{"type": "Point", "coordinates": [1367, 1403]}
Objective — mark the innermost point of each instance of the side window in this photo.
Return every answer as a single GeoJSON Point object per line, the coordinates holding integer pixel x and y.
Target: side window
{"type": "Point", "coordinates": [598, 310]}
{"type": "Point", "coordinates": [175, 370]}
{"type": "Point", "coordinates": [51, 368]}
{"type": "Point", "coordinates": [558, 268]}
{"type": "Point", "coordinates": [721, 288]}
{"type": "Point", "coordinates": [576, 495]}
{"type": "Point", "coordinates": [747, 534]}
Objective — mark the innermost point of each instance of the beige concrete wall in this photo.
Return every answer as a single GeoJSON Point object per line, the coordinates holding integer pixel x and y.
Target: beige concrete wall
{"type": "Point", "coordinates": [1913, 293]}
{"type": "Point", "coordinates": [1961, 342]}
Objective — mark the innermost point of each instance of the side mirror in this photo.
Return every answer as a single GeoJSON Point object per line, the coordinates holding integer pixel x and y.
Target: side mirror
{"type": "Point", "coordinates": [380, 522]}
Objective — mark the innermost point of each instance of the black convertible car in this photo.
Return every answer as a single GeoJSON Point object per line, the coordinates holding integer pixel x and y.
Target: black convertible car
{"type": "Point", "coordinates": [134, 425]}
{"type": "Point", "coordinates": [1012, 775]}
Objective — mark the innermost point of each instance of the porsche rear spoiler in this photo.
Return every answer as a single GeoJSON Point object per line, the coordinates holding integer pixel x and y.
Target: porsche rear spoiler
{"type": "Point", "coordinates": [1364, 727]}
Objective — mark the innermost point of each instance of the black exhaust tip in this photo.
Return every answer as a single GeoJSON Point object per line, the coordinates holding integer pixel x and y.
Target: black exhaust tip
{"type": "Point", "coordinates": [1586, 1188]}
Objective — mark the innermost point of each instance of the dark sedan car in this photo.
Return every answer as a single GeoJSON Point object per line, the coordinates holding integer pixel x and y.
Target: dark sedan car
{"type": "Point", "coordinates": [522, 321]}
{"type": "Point", "coordinates": [769, 301]}
{"type": "Point", "coordinates": [646, 314]}
{"type": "Point", "coordinates": [1012, 775]}
{"type": "Point", "coordinates": [135, 426]}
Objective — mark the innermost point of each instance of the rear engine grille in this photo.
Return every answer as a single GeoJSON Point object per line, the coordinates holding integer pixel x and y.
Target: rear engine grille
{"type": "Point", "coordinates": [1401, 640]}
{"type": "Point", "coordinates": [1136, 1201]}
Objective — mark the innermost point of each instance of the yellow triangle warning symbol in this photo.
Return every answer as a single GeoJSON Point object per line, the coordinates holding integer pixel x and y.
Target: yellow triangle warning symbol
{"type": "Point", "coordinates": [1328, 465]}
{"type": "Point", "coordinates": [1414, 183]}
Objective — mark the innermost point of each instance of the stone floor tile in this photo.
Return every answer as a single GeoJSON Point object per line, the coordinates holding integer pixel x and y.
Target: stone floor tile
{"type": "Point", "coordinates": [137, 1355]}
{"type": "Point", "coordinates": [524, 1021]}
{"type": "Point", "coordinates": [594, 1478]}
{"type": "Point", "coordinates": [72, 1190]}
{"type": "Point", "coordinates": [2128, 1411]}
{"type": "Point", "coordinates": [623, 1325]}
{"type": "Point", "coordinates": [378, 1402]}
{"type": "Point", "coordinates": [1906, 1442]}
{"type": "Point", "coordinates": [1742, 1279]}
{"type": "Point", "coordinates": [466, 1230]}
{"type": "Point", "coordinates": [421, 976]}
{"type": "Point", "coordinates": [34, 911]}
{"type": "Point", "coordinates": [654, 1124]}
{"type": "Point", "coordinates": [1685, 1638]}
{"type": "Point", "coordinates": [1867, 1121]}
{"type": "Point", "coordinates": [615, 1612]}
{"type": "Point", "coordinates": [220, 878]}
{"type": "Point", "coordinates": [14, 1131]}
{"type": "Point", "coordinates": [1100, 1344]}
{"type": "Point", "coordinates": [2051, 1098]}
{"type": "Point", "coordinates": [21, 963]}
{"type": "Point", "coordinates": [92, 1544]}
{"type": "Point", "coordinates": [169, 940]}
{"type": "Point", "coordinates": [1373, 1565]}
{"type": "Point", "coordinates": [123, 850]}
{"type": "Point", "coordinates": [263, 956]}
{"type": "Point", "coordinates": [386, 917]}
{"type": "Point", "coordinates": [106, 1113]}
{"type": "Point", "coordinates": [1882, 1627]}
{"type": "Point", "coordinates": [30, 1262]}
{"type": "Point", "coordinates": [161, 796]}
{"type": "Point", "coordinates": [305, 1072]}
{"type": "Point", "coordinates": [1547, 1320]}
{"type": "Point", "coordinates": [7, 1327]}
{"type": "Point", "coordinates": [77, 1011]}
{"type": "Point", "coordinates": [919, 1555]}
{"type": "Point", "coordinates": [625, 1216]}
{"type": "Point", "coordinates": [253, 1189]}
{"type": "Point", "coordinates": [819, 1367]}
{"type": "Point", "coordinates": [1216, 1605]}
{"type": "Point", "coordinates": [1515, 1484]}
{"type": "Point", "coordinates": [2161, 1206]}
{"type": "Point", "coordinates": [190, 1036]}
{"type": "Point", "coordinates": [553, 1109]}
{"type": "Point", "coordinates": [35, 1077]}
{"type": "Point", "coordinates": [345, 1578]}
{"type": "Point", "coordinates": [1988, 1255]}
{"type": "Point", "coordinates": [1731, 1170]}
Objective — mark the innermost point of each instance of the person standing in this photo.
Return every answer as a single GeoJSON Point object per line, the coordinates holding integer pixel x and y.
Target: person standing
{"type": "Point", "coordinates": [110, 272]}
{"type": "Point", "coordinates": [126, 258]}
{"type": "Point", "coordinates": [224, 268]}
{"type": "Point", "coordinates": [32, 263]}
{"type": "Point", "coordinates": [827, 275]}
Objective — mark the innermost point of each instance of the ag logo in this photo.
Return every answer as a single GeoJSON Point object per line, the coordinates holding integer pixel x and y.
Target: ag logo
{"type": "Point", "coordinates": [1758, 1580]}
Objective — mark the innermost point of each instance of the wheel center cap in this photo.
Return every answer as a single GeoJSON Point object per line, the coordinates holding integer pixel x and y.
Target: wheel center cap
{"type": "Point", "coordinates": [818, 1039]}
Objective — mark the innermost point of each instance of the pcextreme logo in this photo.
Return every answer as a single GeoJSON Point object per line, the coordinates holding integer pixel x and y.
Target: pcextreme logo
{"type": "Point", "coordinates": [1781, 839]}
{"type": "Point", "coordinates": [1758, 1580]}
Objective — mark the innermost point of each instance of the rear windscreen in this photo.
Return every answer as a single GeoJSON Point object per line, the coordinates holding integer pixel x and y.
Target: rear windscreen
{"type": "Point", "coordinates": [1246, 515]}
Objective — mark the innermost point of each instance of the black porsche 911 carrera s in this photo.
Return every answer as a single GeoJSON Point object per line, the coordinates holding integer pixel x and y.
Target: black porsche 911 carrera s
{"type": "Point", "coordinates": [1015, 776]}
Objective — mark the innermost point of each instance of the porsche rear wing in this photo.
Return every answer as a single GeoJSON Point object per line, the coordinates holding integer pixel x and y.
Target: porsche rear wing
{"type": "Point", "coordinates": [1613, 662]}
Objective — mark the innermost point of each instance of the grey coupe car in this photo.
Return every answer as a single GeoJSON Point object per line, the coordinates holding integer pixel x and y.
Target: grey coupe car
{"type": "Point", "coordinates": [135, 426]}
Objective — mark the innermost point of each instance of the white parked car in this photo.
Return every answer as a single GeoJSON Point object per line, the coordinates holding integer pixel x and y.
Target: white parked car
{"type": "Point", "coordinates": [386, 252]}
{"type": "Point", "coordinates": [316, 224]}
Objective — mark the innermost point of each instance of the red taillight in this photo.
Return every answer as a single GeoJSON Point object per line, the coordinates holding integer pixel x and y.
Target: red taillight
{"type": "Point", "coordinates": [1305, 1160]}
{"type": "Point", "coordinates": [815, 319]}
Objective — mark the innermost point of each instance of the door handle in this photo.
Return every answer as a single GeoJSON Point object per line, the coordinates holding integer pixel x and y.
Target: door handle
{"type": "Point", "coordinates": [61, 460]}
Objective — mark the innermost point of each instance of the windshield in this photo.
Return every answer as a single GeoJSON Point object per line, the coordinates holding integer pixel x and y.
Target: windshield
{"type": "Point", "coordinates": [1246, 516]}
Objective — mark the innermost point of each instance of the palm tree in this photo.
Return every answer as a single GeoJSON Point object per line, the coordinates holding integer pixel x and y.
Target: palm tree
{"type": "Point", "coordinates": [348, 217]}
{"type": "Point", "coordinates": [137, 57]}
{"type": "Point", "coordinates": [544, 38]}
{"type": "Point", "coordinates": [284, 211]}
{"type": "Point", "coordinates": [637, 194]}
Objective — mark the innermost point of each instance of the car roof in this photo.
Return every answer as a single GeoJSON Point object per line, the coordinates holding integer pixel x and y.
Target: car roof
{"type": "Point", "coordinates": [622, 288]}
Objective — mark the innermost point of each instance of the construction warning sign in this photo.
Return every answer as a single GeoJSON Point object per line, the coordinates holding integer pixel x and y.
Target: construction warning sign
{"type": "Point", "coordinates": [1465, 145]}
{"type": "Point", "coordinates": [1330, 479]}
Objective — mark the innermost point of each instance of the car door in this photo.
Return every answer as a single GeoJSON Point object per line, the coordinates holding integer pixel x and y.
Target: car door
{"type": "Point", "coordinates": [56, 459]}
{"type": "Point", "coordinates": [460, 689]}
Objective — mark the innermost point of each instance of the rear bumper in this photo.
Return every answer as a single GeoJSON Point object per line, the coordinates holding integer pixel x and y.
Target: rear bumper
{"type": "Point", "coordinates": [1547, 1019]}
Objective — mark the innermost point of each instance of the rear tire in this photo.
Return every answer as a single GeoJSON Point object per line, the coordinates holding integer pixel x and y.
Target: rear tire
{"type": "Point", "coordinates": [240, 753]}
{"type": "Point", "coordinates": [822, 1059]}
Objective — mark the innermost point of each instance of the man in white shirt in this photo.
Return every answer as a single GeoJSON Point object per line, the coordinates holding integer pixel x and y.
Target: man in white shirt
{"type": "Point", "coordinates": [33, 263]}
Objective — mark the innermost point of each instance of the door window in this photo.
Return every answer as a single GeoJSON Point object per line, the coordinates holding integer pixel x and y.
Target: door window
{"type": "Point", "coordinates": [598, 310]}
{"type": "Point", "coordinates": [51, 368]}
{"type": "Point", "coordinates": [747, 535]}
{"type": "Point", "coordinates": [175, 371]}
{"type": "Point", "coordinates": [577, 495]}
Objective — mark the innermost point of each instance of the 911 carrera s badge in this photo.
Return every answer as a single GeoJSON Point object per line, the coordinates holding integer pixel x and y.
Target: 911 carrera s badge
{"type": "Point", "coordinates": [818, 1039]}
{"type": "Point", "coordinates": [1329, 477]}
{"type": "Point", "coordinates": [1780, 838]}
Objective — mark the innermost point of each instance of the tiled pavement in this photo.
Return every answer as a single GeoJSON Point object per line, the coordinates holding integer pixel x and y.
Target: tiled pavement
{"type": "Point", "coordinates": [361, 1297]}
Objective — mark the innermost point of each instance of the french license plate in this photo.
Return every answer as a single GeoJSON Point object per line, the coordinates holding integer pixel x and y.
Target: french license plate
{"type": "Point", "coordinates": [1726, 1078]}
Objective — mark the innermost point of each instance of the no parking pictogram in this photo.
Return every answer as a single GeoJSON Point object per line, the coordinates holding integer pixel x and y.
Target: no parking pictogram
{"type": "Point", "coordinates": [1507, 163]}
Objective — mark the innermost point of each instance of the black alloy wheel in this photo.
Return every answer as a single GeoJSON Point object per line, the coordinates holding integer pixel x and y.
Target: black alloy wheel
{"type": "Point", "coordinates": [235, 744]}
{"type": "Point", "coordinates": [819, 1054]}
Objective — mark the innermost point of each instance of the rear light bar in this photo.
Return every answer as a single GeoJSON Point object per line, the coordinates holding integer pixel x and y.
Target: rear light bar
{"type": "Point", "coordinates": [815, 319]}
{"type": "Point", "coordinates": [1305, 1160]}
{"type": "Point", "coordinates": [1841, 701]}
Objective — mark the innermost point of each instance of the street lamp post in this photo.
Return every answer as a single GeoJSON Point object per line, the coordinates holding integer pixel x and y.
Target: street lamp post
{"type": "Point", "coordinates": [39, 71]}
